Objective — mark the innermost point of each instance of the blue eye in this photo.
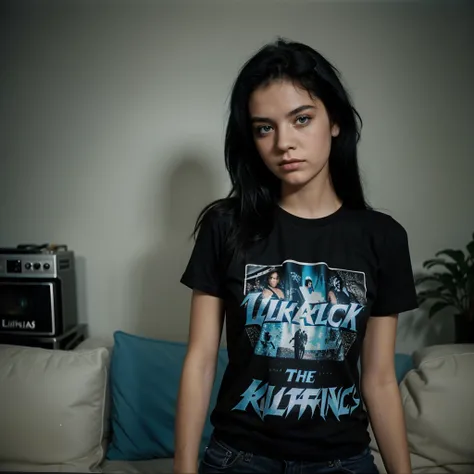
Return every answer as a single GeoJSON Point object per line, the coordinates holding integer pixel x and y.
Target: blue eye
{"type": "Point", "coordinates": [303, 119]}
{"type": "Point", "coordinates": [263, 130]}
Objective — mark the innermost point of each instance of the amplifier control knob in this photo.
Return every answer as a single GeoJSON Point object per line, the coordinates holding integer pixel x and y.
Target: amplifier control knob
{"type": "Point", "coordinates": [37, 266]}
{"type": "Point", "coordinates": [46, 266]}
{"type": "Point", "coordinates": [28, 266]}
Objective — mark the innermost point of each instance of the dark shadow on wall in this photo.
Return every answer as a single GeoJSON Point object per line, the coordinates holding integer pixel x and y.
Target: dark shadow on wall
{"type": "Point", "coordinates": [416, 329]}
{"type": "Point", "coordinates": [81, 289]}
{"type": "Point", "coordinates": [160, 303]}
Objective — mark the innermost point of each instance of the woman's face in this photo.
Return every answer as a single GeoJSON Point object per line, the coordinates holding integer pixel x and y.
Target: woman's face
{"type": "Point", "coordinates": [273, 280]}
{"type": "Point", "coordinates": [292, 132]}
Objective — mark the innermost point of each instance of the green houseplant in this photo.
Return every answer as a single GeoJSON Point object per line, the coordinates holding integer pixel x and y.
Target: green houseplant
{"type": "Point", "coordinates": [452, 288]}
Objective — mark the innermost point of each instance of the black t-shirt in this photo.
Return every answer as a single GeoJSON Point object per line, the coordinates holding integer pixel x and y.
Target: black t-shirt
{"type": "Point", "coordinates": [296, 314]}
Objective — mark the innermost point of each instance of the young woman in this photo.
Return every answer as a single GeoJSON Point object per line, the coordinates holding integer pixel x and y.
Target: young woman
{"type": "Point", "coordinates": [296, 207]}
{"type": "Point", "coordinates": [271, 290]}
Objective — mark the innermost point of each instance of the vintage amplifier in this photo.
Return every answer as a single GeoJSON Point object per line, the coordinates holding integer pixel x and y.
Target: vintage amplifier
{"type": "Point", "coordinates": [37, 290]}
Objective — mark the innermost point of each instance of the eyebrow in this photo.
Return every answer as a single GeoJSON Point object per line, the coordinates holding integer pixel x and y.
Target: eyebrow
{"type": "Point", "coordinates": [288, 115]}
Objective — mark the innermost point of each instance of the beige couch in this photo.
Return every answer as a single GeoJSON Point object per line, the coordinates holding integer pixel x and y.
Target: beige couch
{"type": "Point", "coordinates": [54, 411]}
{"type": "Point", "coordinates": [438, 399]}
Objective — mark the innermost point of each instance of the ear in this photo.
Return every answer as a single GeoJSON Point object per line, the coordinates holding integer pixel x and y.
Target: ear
{"type": "Point", "coordinates": [335, 130]}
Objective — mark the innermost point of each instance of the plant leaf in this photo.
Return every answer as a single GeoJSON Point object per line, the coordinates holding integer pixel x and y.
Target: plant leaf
{"type": "Point", "coordinates": [437, 307]}
{"type": "Point", "coordinates": [448, 282]}
{"type": "Point", "coordinates": [457, 271]}
{"type": "Point", "coordinates": [435, 294]}
{"type": "Point", "coordinates": [424, 296]}
{"type": "Point", "coordinates": [434, 261]}
{"type": "Point", "coordinates": [457, 255]}
{"type": "Point", "coordinates": [425, 278]}
{"type": "Point", "coordinates": [470, 248]}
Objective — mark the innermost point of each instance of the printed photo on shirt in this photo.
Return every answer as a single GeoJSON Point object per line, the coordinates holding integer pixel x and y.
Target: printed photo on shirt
{"type": "Point", "coordinates": [302, 311]}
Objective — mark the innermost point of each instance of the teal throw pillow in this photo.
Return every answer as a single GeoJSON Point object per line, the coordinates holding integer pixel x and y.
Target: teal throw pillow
{"type": "Point", "coordinates": [403, 364]}
{"type": "Point", "coordinates": [144, 382]}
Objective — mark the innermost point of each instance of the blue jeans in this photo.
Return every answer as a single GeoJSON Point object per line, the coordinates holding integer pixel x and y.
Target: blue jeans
{"type": "Point", "coordinates": [222, 458]}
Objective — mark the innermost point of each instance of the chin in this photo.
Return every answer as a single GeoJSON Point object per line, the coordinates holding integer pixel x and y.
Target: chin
{"type": "Point", "coordinates": [296, 180]}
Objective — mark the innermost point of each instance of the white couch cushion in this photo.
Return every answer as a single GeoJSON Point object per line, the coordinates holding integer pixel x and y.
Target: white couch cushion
{"type": "Point", "coordinates": [439, 410]}
{"type": "Point", "coordinates": [152, 466]}
{"type": "Point", "coordinates": [96, 343]}
{"type": "Point", "coordinates": [437, 400]}
{"type": "Point", "coordinates": [52, 408]}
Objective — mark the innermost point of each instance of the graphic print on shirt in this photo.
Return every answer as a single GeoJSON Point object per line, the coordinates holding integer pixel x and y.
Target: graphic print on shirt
{"type": "Point", "coordinates": [303, 311]}
{"type": "Point", "coordinates": [295, 312]}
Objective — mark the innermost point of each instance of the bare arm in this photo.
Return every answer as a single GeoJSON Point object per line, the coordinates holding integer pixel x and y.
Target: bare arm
{"type": "Point", "coordinates": [197, 379]}
{"type": "Point", "coordinates": [266, 293]}
{"type": "Point", "coordinates": [382, 395]}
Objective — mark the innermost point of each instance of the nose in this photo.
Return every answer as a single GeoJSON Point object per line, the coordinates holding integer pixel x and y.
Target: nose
{"type": "Point", "coordinates": [284, 138]}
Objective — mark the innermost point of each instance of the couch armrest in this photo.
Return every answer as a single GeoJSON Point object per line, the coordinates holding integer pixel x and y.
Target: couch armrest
{"type": "Point", "coordinates": [95, 343]}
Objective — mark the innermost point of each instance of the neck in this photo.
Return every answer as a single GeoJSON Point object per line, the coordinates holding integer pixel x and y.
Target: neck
{"type": "Point", "coordinates": [312, 201]}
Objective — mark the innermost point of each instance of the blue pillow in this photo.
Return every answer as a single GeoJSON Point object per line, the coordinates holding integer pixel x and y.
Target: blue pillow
{"type": "Point", "coordinates": [403, 364]}
{"type": "Point", "coordinates": [144, 383]}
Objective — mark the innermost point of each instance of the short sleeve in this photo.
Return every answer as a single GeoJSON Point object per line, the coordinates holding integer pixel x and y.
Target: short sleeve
{"type": "Point", "coordinates": [204, 271]}
{"type": "Point", "coordinates": [395, 286]}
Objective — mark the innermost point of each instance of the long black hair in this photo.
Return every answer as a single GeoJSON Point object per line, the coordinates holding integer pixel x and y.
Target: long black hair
{"type": "Point", "coordinates": [255, 189]}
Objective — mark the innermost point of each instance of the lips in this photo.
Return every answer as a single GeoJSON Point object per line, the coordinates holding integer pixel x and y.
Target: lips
{"type": "Point", "coordinates": [291, 165]}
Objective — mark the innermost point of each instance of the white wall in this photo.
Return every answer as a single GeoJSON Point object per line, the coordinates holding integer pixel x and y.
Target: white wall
{"type": "Point", "coordinates": [112, 120]}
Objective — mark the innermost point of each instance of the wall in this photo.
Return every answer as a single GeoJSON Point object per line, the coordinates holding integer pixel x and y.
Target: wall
{"type": "Point", "coordinates": [112, 121]}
